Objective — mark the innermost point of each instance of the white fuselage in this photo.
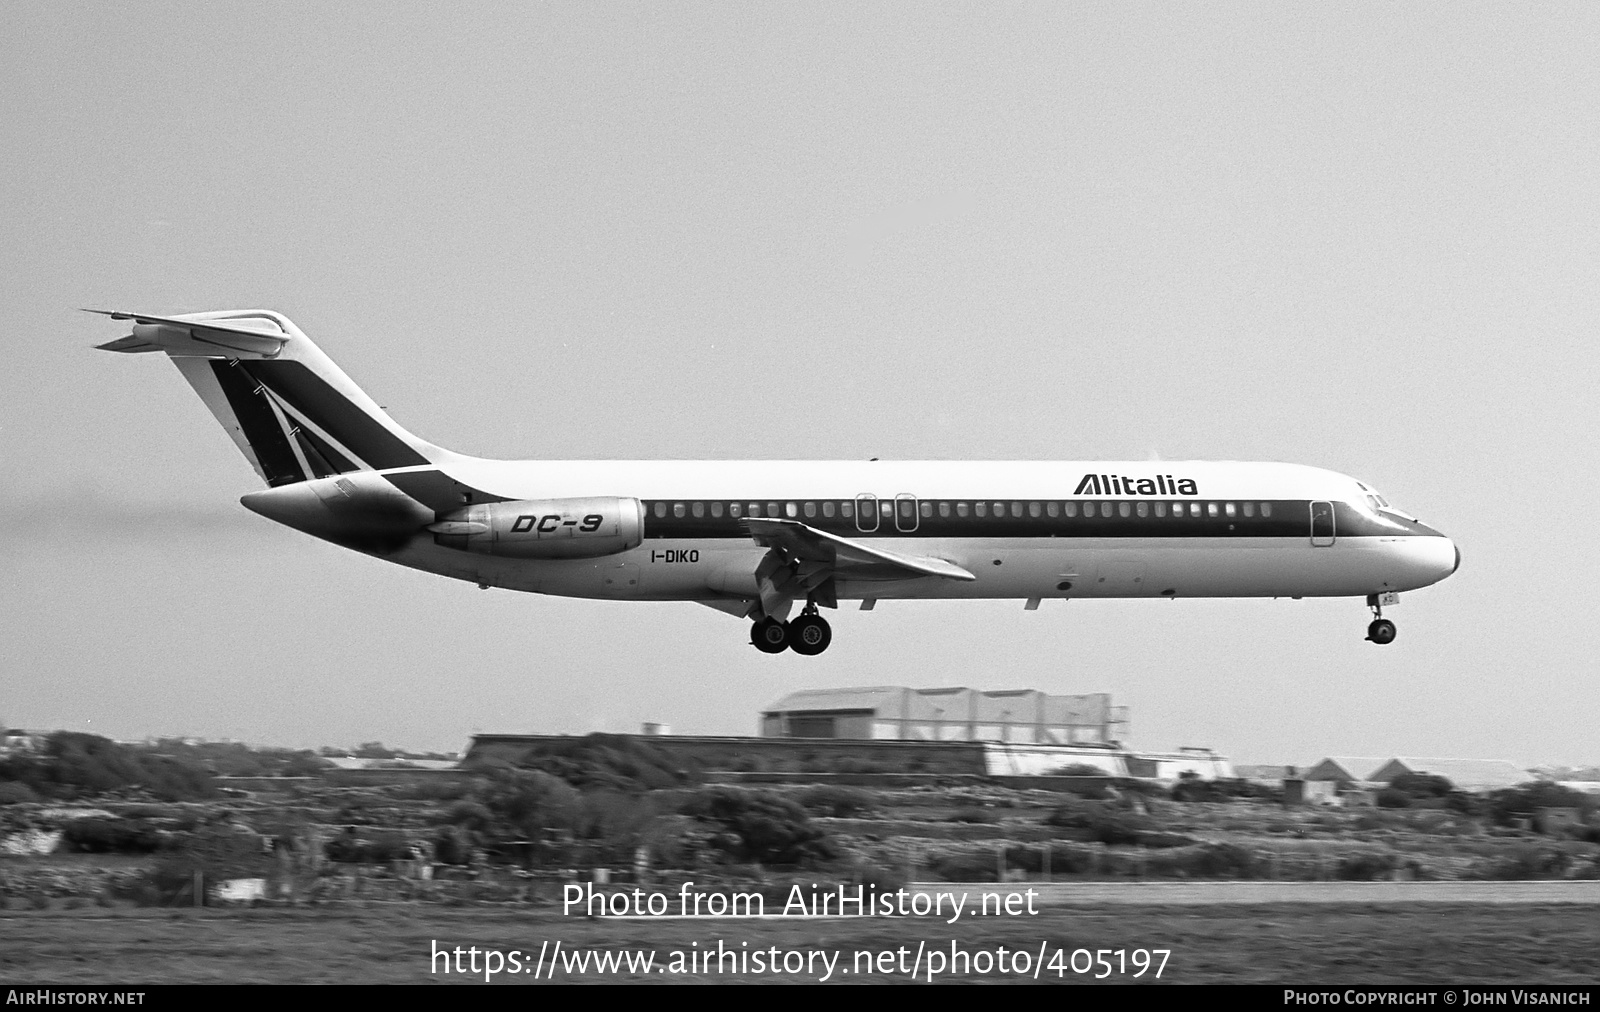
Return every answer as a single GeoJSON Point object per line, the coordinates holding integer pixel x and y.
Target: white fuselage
{"type": "Point", "coordinates": [1011, 557]}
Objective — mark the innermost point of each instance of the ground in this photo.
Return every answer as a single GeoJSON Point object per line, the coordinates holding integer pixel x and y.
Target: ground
{"type": "Point", "coordinates": [394, 944]}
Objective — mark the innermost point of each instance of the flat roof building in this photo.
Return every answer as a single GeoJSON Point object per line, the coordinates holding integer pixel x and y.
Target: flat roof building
{"type": "Point", "coordinates": [1024, 716]}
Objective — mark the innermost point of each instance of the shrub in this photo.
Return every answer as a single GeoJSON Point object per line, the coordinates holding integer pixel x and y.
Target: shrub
{"type": "Point", "coordinates": [1391, 797]}
{"type": "Point", "coordinates": [838, 801]}
{"type": "Point", "coordinates": [349, 848]}
{"type": "Point", "coordinates": [965, 866]}
{"type": "Point", "coordinates": [1208, 860]}
{"type": "Point", "coordinates": [759, 826]}
{"type": "Point", "coordinates": [74, 764]}
{"type": "Point", "coordinates": [13, 792]}
{"type": "Point", "coordinates": [1100, 823]}
{"type": "Point", "coordinates": [110, 836]}
{"type": "Point", "coordinates": [1525, 800]}
{"type": "Point", "coordinates": [610, 762]}
{"type": "Point", "coordinates": [1528, 862]}
{"type": "Point", "coordinates": [1366, 867]}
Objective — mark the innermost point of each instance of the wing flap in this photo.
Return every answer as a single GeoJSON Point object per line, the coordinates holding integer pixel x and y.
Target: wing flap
{"type": "Point", "coordinates": [845, 557]}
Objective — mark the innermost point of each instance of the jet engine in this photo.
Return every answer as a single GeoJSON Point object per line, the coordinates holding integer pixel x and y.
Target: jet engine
{"type": "Point", "coordinates": [544, 529]}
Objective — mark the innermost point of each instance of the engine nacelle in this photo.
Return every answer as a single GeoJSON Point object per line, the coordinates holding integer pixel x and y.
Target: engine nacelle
{"type": "Point", "coordinates": [545, 528]}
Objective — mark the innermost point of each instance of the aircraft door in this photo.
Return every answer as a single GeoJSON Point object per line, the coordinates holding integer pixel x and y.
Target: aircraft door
{"type": "Point", "coordinates": [866, 512]}
{"type": "Point", "coordinates": [1322, 528]}
{"type": "Point", "coordinates": [905, 512]}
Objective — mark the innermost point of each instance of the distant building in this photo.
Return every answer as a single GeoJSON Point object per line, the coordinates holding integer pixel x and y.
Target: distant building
{"type": "Point", "coordinates": [1352, 769]}
{"type": "Point", "coordinates": [17, 740]}
{"type": "Point", "coordinates": [1022, 716]}
{"type": "Point", "coordinates": [1465, 774]}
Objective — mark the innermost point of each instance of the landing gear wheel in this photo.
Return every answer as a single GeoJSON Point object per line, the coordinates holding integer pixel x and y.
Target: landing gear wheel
{"type": "Point", "coordinates": [810, 635]}
{"type": "Point", "coordinates": [770, 636]}
{"type": "Point", "coordinates": [1381, 631]}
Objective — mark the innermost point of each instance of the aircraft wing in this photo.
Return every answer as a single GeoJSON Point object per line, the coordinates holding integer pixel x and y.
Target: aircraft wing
{"type": "Point", "coordinates": [197, 338]}
{"type": "Point", "coordinates": [816, 550]}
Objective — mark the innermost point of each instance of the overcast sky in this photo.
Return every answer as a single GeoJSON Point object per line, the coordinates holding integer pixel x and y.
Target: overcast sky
{"type": "Point", "coordinates": [1359, 236]}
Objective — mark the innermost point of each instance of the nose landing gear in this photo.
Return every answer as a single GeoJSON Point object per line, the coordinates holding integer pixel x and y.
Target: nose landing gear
{"type": "Point", "coordinates": [1381, 630]}
{"type": "Point", "coordinates": [807, 635]}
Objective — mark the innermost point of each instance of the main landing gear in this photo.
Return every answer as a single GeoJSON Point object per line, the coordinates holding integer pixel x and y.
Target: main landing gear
{"type": "Point", "coordinates": [1381, 630]}
{"type": "Point", "coordinates": [808, 635]}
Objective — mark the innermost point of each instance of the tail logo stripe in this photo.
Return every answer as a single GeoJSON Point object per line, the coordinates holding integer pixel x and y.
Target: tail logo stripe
{"type": "Point", "coordinates": [332, 413]}
{"type": "Point", "coordinates": [335, 454]}
{"type": "Point", "coordinates": [259, 422]}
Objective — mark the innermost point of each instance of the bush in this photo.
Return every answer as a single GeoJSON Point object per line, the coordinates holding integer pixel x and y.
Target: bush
{"type": "Point", "coordinates": [759, 826]}
{"type": "Point", "coordinates": [837, 801]}
{"type": "Point", "coordinates": [1193, 789]}
{"type": "Point", "coordinates": [1528, 862]}
{"type": "Point", "coordinates": [215, 852]}
{"type": "Point", "coordinates": [608, 762]}
{"type": "Point", "coordinates": [349, 848]}
{"type": "Point", "coordinates": [1391, 797]}
{"type": "Point", "coordinates": [12, 792]}
{"type": "Point", "coordinates": [1100, 823]}
{"type": "Point", "coordinates": [1207, 860]}
{"type": "Point", "coordinates": [110, 836]}
{"type": "Point", "coordinates": [74, 764]}
{"type": "Point", "coordinates": [1525, 800]}
{"type": "Point", "coordinates": [517, 804]}
{"type": "Point", "coordinates": [1366, 867]}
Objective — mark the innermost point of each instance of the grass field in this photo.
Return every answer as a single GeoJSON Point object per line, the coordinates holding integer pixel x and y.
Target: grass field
{"type": "Point", "coordinates": [1292, 944]}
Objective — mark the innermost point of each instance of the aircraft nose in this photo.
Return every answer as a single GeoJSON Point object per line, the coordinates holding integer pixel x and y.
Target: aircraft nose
{"type": "Point", "coordinates": [1458, 558]}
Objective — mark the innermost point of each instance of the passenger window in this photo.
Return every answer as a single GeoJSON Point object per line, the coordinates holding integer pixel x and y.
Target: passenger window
{"type": "Point", "coordinates": [927, 509]}
{"type": "Point", "coordinates": [1211, 509]}
{"type": "Point", "coordinates": [847, 509]}
{"type": "Point", "coordinates": [772, 509]}
{"type": "Point", "coordinates": [1229, 510]}
{"type": "Point", "coordinates": [661, 509]}
{"type": "Point", "coordinates": [1266, 509]}
{"type": "Point", "coordinates": [981, 509]}
{"type": "Point", "coordinates": [1016, 510]}
{"type": "Point", "coordinates": [734, 509]}
{"type": "Point", "coordinates": [1072, 509]}
{"type": "Point", "coordinates": [1249, 509]}
{"type": "Point", "coordinates": [716, 509]}
{"type": "Point", "coordinates": [1124, 509]}
{"type": "Point", "coordinates": [1052, 508]}
{"type": "Point", "coordinates": [755, 509]}
{"type": "Point", "coordinates": [791, 510]}
{"type": "Point", "coordinates": [698, 509]}
{"type": "Point", "coordinates": [1143, 509]}
{"type": "Point", "coordinates": [944, 510]}
{"type": "Point", "coordinates": [1161, 509]}
{"type": "Point", "coordinates": [1088, 509]}
{"type": "Point", "coordinates": [1033, 509]}
{"type": "Point", "coordinates": [1105, 509]}
{"type": "Point", "coordinates": [811, 509]}
{"type": "Point", "coordinates": [961, 509]}
{"type": "Point", "coordinates": [828, 508]}
{"type": "Point", "coordinates": [677, 509]}
{"type": "Point", "coordinates": [886, 508]}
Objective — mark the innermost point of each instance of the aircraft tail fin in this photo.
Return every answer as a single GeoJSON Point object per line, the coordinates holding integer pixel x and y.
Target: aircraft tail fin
{"type": "Point", "coordinates": [293, 413]}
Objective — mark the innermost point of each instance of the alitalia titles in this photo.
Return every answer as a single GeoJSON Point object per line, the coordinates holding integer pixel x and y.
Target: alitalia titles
{"type": "Point", "coordinates": [1121, 484]}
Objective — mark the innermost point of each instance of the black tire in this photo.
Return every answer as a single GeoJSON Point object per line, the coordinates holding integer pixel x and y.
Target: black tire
{"type": "Point", "coordinates": [810, 635]}
{"type": "Point", "coordinates": [770, 636]}
{"type": "Point", "coordinates": [1381, 631]}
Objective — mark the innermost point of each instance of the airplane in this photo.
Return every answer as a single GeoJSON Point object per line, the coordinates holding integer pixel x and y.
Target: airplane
{"type": "Point", "coordinates": [755, 539]}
